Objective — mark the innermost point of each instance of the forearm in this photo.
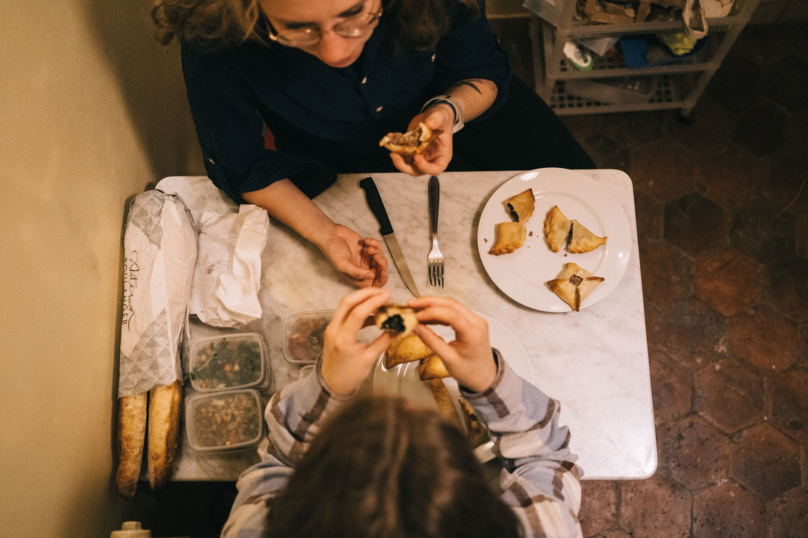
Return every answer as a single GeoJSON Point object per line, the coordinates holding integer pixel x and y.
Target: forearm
{"type": "Point", "coordinates": [285, 202]}
{"type": "Point", "coordinates": [474, 95]}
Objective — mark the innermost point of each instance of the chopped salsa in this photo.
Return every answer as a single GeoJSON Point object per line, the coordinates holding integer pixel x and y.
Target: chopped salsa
{"type": "Point", "coordinates": [227, 420]}
{"type": "Point", "coordinates": [227, 363]}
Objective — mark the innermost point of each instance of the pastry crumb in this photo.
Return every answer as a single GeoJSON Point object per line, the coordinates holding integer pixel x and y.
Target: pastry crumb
{"type": "Point", "coordinates": [530, 234]}
{"type": "Point", "coordinates": [565, 255]}
{"type": "Point", "coordinates": [484, 239]}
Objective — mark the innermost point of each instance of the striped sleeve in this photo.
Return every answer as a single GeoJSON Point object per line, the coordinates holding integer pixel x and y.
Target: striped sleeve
{"type": "Point", "coordinates": [539, 479]}
{"type": "Point", "coordinates": [293, 418]}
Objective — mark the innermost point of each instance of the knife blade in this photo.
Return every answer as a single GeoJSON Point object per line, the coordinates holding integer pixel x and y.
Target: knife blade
{"type": "Point", "coordinates": [386, 229]}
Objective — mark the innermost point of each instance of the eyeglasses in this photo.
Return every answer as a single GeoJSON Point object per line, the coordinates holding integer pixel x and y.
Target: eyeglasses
{"type": "Point", "coordinates": [356, 26]}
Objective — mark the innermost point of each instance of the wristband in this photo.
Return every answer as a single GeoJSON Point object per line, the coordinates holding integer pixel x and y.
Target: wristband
{"type": "Point", "coordinates": [454, 104]}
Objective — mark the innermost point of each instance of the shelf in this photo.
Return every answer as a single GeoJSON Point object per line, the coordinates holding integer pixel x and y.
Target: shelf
{"type": "Point", "coordinates": [672, 92]}
{"type": "Point", "coordinates": [581, 30]}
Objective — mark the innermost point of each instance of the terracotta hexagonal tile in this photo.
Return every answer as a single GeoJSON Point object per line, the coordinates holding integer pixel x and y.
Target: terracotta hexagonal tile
{"type": "Point", "coordinates": [606, 152]}
{"type": "Point", "coordinates": [789, 403]}
{"type": "Point", "coordinates": [663, 170]}
{"type": "Point", "coordinates": [802, 344]}
{"type": "Point", "coordinates": [801, 236]}
{"type": "Point", "coordinates": [598, 506]}
{"type": "Point", "coordinates": [651, 326]}
{"type": "Point", "coordinates": [786, 288]}
{"type": "Point", "coordinates": [655, 508]}
{"type": "Point", "coordinates": [729, 282]}
{"type": "Point", "coordinates": [696, 225]}
{"type": "Point", "coordinates": [766, 461]}
{"type": "Point", "coordinates": [784, 183]}
{"type": "Point", "coordinates": [728, 510]}
{"type": "Point", "coordinates": [692, 333]}
{"type": "Point", "coordinates": [649, 216]}
{"type": "Point", "coordinates": [760, 129]}
{"type": "Point", "coordinates": [614, 533]}
{"type": "Point", "coordinates": [785, 82]}
{"type": "Point", "coordinates": [693, 452]}
{"type": "Point", "coordinates": [671, 387]}
{"type": "Point", "coordinates": [712, 128]}
{"type": "Point", "coordinates": [788, 515]}
{"type": "Point", "coordinates": [634, 130]}
{"type": "Point", "coordinates": [729, 394]}
{"type": "Point", "coordinates": [764, 339]}
{"type": "Point", "coordinates": [729, 176]}
{"type": "Point", "coordinates": [761, 232]}
{"type": "Point", "coordinates": [735, 83]}
{"type": "Point", "coordinates": [667, 274]}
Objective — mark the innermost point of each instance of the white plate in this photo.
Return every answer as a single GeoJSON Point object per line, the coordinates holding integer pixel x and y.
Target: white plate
{"type": "Point", "coordinates": [402, 379]}
{"type": "Point", "coordinates": [522, 274]}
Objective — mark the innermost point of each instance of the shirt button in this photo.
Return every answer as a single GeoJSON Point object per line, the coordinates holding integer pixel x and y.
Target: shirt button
{"type": "Point", "coordinates": [364, 80]}
{"type": "Point", "coordinates": [212, 161]}
{"type": "Point", "coordinates": [433, 57]}
{"type": "Point", "coordinates": [379, 109]}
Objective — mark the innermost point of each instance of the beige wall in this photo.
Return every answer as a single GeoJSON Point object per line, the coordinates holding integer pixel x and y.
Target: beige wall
{"type": "Point", "coordinates": [91, 111]}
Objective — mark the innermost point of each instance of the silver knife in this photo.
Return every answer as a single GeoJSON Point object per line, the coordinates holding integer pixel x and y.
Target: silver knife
{"type": "Point", "coordinates": [386, 229]}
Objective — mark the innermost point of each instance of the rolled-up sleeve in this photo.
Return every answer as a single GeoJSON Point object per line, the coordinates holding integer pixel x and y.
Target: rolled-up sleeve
{"type": "Point", "coordinates": [471, 50]}
{"type": "Point", "coordinates": [229, 128]}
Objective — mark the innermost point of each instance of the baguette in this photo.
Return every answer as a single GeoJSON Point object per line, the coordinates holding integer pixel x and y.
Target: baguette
{"type": "Point", "coordinates": [131, 436]}
{"type": "Point", "coordinates": [164, 426]}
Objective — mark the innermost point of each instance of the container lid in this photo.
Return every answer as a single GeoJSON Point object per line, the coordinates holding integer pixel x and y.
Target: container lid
{"type": "Point", "coordinates": [224, 421]}
{"type": "Point", "coordinates": [232, 361]}
{"type": "Point", "coordinates": [303, 335]}
{"type": "Point", "coordinates": [131, 529]}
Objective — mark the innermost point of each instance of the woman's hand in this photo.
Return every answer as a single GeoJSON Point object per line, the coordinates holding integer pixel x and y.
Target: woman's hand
{"type": "Point", "coordinates": [360, 260]}
{"type": "Point", "coordinates": [468, 358]}
{"type": "Point", "coordinates": [435, 159]}
{"type": "Point", "coordinates": [346, 361]}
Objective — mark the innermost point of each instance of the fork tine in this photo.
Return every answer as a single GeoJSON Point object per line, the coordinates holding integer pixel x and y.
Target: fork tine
{"type": "Point", "coordinates": [429, 272]}
{"type": "Point", "coordinates": [441, 274]}
{"type": "Point", "coordinates": [432, 274]}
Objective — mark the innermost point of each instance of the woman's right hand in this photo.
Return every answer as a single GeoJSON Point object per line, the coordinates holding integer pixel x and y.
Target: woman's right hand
{"type": "Point", "coordinates": [468, 358]}
{"type": "Point", "coordinates": [360, 260]}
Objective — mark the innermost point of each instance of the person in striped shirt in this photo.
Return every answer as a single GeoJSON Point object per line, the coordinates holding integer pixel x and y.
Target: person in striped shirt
{"type": "Point", "coordinates": [337, 465]}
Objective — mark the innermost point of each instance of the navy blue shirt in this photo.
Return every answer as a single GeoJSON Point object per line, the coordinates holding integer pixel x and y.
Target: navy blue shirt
{"type": "Point", "coordinates": [320, 114]}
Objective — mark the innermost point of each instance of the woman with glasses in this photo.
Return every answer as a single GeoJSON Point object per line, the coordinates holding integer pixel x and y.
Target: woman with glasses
{"type": "Point", "coordinates": [285, 94]}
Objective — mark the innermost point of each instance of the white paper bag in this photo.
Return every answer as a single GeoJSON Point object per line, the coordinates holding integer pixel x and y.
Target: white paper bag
{"type": "Point", "coordinates": [228, 276]}
{"type": "Point", "coordinates": [160, 250]}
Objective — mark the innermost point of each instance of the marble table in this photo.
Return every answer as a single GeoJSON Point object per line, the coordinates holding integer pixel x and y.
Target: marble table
{"type": "Point", "coordinates": [594, 362]}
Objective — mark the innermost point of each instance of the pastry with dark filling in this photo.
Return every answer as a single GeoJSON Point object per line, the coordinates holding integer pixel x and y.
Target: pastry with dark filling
{"type": "Point", "coordinates": [574, 284]}
{"type": "Point", "coordinates": [556, 228]}
{"type": "Point", "coordinates": [409, 348]}
{"type": "Point", "coordinates": [582, 240]}
{"type": "Point", "coordinates": [509, 237]}
{"type": "Point", "coordinates": [410, 143]}
{"type": "Point", "coordinates": [432, 367]}
{"type": "Point", "coordinates": [520, 207]}
{"type": "Point", "coordinates": [396, 318]}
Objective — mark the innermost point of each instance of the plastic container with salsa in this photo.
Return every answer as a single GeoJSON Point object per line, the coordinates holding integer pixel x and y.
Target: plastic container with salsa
{"type": "Point", "coordinates": [229, 362]}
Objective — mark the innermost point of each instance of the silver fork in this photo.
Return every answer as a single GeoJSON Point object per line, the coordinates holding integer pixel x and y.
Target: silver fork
{"type": "Point", "coordinates": [435, 257]}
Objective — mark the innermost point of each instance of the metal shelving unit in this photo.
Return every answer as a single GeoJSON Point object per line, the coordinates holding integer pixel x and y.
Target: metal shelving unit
{"type": "Point", "coordinates": [679, 85]}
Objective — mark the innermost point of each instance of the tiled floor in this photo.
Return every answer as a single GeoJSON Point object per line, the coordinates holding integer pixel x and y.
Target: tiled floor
{"type": "Point", "coordinates": [722, 209]}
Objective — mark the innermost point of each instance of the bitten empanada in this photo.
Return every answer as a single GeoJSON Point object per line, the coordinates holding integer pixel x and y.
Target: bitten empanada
{"type": "Point", "coordinates": [410, 143]}
{"type": "Point", "coordinates": [477, 434]}
{"type": "Point", "coordinates": [520, 207]}
{"type": "Point", "coordinates": [582, 240]}
{"type": "Point", "coordinates": [556, 228]}
{"type": "Point", "coordinates": [509, 237]}
{"type": "Point", "coordinates": [409, 348]}
{"type": "Point", "coordinates": [432, 367]}
{"type": "Point", "coordinates": [396, 318]}
{"type": "Point", "coordinates": [574, 284]}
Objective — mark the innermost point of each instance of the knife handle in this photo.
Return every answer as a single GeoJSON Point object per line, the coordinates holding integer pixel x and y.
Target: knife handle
{"type": "Point", "coordinates": [434, 202]}
{"type": "Point", "coordinates": [376, 205]}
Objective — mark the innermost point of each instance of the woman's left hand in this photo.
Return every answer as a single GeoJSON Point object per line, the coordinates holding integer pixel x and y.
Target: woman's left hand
{"type": "Point", "coordinates": [435, 159]}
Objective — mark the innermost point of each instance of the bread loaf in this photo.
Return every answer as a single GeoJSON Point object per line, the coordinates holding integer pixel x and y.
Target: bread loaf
{"type": "Point", "coordinates": [164, 426]}
{"type": "Point", "coordinates": [131, 436]}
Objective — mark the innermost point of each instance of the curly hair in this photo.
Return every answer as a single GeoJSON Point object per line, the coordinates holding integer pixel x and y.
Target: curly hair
{"type": "Point", "coordinates": [217, 24]}
{"type": "Point", "coordinates": [381, 468]}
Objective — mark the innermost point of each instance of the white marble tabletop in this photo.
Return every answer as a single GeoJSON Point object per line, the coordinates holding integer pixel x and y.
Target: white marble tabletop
{"type": "Point", "coordinates": [595, 362]}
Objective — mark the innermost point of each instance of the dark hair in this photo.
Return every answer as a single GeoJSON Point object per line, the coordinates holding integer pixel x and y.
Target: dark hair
{"type": "Point", "coordinates": [216, 24]}
{"type": "Point", "coordinates": [382, 469]}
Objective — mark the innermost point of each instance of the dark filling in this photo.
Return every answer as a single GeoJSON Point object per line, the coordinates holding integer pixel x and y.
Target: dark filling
{"type": "Point", "coordinates": [406, 139]}
{"type": "Point", "coordinates": [575, 280]}
{"type": "Point", "coordinates": [394, 323]}
{"type": "Point", "coordinates": [569, 235]}
{"type": "Point", "coordinates": [514, 214]}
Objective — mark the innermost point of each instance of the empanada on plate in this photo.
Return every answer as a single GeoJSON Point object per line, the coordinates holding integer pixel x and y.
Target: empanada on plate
{"type": "Point", "coordinates": [574, 284]}
{"type": "Point", "coordinates": [520, 207]}
{"type": "Point", "coordinates": [556, 228]}
{"type": "Point", "coordinates": [408, 348]}
{"type": "Point", "coordinates": [477, 434]}
{"type": "Point", "coordinates": [396, 318]}
{"type": "Point", "coordinates": [509, 237]}
{"type": "Point", "coordinates": [432, 367]}
{"type": "Point", "coordinates": [410, 143]}
{"type": "Point", "coordinates": [582, 240]}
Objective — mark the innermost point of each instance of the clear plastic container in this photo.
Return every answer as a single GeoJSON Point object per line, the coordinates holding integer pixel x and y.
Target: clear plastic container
{"type": "Point", "coordinates": [232, 361]}
{"type": "Point", "coordinates": [226, 421]}
{"type": "Point", "coordinates": [303, 335]}
{"type": "Point", "coordinates": [306, 371]}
